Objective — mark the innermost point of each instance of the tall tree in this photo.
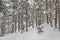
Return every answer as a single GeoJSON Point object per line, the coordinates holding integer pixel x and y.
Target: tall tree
{"type": "Point", "coordinates": [56, 15]}
{"type": "Point", "coordinates": [46, 10]}
{"type": "Point", "coordinates": [26, 17]}
{"type": "Point", "coordinates": [3, 23]}
{"type": "Point", "coordinates": [50, 13]}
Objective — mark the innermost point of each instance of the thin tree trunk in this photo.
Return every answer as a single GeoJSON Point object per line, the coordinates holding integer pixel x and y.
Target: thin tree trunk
{"type": "Point", "coordinates": [56, 16]}
{"type": "Point", "coordinates": [26, 18]}
{"type": "Point", "coordinates": [19, 22]}
{"type": "Point", "coordinates": [59, 22]}
{"type": "Point", "coordinates": [26, 23]}
{"type": "Point", "coordinates": [46, 10]}
{"type": "Point", "coordinates": [59, 15]}
{"type": "Point", "coordinates": [36, 20]}
{"type": "Point", "coordinates": [32, 22]}
{"type": "Point", "coordinates": [21, 19]}
{"type": "Point", "coordinates": [47, 18]}
{"type": "Point", "coordinates": [51, 19]}
{"type": "Point", "coordinates": [50, 15]}
{"type": "Point", "coordinates": [13, 23]}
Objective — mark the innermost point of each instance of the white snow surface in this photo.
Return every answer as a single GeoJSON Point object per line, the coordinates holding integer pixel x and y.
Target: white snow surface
{"type": "Point", "coordinates": [48, 34]}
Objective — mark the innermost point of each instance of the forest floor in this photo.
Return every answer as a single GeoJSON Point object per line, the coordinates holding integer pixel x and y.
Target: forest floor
{"type": "Point", "coordinates": [48, 34]}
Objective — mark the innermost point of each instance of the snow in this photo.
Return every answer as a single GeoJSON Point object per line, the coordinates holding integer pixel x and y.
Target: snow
{"type": "Point", "coordinates": [48, 34]}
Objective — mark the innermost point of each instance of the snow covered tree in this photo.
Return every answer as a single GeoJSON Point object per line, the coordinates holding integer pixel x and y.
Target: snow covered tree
{"type": "Point", "coordinates": [3, 14]}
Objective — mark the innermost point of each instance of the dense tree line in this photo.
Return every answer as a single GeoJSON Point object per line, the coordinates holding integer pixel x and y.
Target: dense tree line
{"type": "Point", "coordinates": [14, 13]}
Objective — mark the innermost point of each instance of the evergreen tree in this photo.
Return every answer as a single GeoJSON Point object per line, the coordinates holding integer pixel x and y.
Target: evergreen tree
{"type": "Point", "coordinates": [2, 24]}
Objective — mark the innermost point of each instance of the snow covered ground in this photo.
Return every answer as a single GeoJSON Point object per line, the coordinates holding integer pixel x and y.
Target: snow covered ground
{"type": "Point", "coordinates": [48, 34]}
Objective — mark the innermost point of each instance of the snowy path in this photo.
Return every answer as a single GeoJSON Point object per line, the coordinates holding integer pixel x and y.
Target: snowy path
{"type": "Point", "coordinates": [47, 34]}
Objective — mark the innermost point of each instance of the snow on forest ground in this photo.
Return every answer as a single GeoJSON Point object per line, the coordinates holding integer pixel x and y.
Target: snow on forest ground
{"type": "Point", "coordinates": [48, 34]}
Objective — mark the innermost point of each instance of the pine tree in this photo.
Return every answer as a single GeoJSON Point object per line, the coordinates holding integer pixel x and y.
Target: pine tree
{"type": "Point", "coordinates": [3, 23]}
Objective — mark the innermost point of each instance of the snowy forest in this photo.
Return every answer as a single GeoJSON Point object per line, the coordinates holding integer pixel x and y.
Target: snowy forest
{"type": "Point", "coordinates": [20, 17]}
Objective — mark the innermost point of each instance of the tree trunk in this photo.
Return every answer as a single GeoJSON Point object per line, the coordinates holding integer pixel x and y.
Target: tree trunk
{"type": "Point", "coordinates": [36, 20]}
{"type": "Point", "coordinates": [50, 14]}
{"type": "Point", "coordinates": [19, 22]}
{"type": "Point", "coordinates": [56, 16]}
{"type": "Point", "coordinates": [59, 15]}
{"type": "Point", "coordinates": [47, 18]}
{"type": "Point", "coordinates": [26, 18]}
{"type": "Point", "coordinates": [13, 23]}
{"type": "Point", "coordinates": [46, 10]}
{"type": "Point", "coordinates": [59, 23]}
